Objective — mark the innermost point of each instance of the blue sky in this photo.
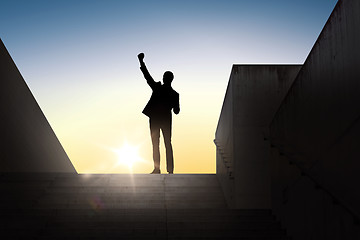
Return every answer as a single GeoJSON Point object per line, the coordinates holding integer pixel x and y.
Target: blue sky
{"type": "Point", "coordinates": [79, 58]}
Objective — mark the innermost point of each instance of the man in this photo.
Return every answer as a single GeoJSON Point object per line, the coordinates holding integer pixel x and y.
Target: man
{"type": "Point", "coordinates": [163, 99]}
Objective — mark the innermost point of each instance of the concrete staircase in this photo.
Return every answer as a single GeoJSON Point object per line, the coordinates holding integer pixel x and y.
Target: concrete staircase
{"type": "Point", "coordinates": [121, 206]}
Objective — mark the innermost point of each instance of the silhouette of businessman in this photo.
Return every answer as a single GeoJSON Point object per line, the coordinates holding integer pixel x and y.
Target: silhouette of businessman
{"type": "Point", "coordinates": [163, 99]}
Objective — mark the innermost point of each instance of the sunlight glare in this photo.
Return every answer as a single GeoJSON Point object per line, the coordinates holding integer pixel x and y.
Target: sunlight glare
{"type": "Point", "coordinates": [128, 155]}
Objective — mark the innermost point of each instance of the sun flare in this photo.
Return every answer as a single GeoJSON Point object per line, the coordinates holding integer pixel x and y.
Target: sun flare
{"type": "Point", "coordinates": [128, 155]}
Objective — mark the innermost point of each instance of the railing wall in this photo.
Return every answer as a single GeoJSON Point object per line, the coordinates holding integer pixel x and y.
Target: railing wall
{"type": "Point", "coordinates": [316, 136]}
{"type": "Point", "coordinates": [253, 95]}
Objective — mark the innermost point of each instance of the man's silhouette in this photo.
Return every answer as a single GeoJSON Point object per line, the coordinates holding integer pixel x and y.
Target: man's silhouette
{"type": "Point", "coordinates": [158, 109]}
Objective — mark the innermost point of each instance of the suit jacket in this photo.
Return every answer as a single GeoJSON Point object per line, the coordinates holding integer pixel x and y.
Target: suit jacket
{"type": "Point", "coordinates": [163, 99]}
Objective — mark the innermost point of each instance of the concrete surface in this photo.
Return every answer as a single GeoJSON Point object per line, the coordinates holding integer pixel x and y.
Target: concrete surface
{"type": "Point", "coordinates": [27, 142]}
{"type": "Point", "coordinates": [253, 95]}
{"type": "Point", "coordinates": [318, 128]}
{"type": "Point", "coordinates": [111, 206]}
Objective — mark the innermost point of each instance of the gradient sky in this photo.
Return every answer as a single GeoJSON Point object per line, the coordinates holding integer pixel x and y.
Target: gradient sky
{"type": "Point", "coordinates": [79, 60]}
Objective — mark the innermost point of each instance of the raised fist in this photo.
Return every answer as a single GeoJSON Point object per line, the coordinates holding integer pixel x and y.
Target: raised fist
{"type": "Point", "coordinates": [141, 56]}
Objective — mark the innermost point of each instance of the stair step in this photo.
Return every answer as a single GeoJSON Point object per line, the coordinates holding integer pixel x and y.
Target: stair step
{"type": "Point", "coordinates": [141, 206]}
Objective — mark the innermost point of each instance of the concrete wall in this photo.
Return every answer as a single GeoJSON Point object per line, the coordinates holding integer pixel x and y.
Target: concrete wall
{"type": "Point", "coordinates": [253, 95]}
{"type": "Point", "coordinates": [224, 141]}
{"type": "Point", "coordinates": [27, 142]}
{"type": "Point", "coordinates": [317, 128]}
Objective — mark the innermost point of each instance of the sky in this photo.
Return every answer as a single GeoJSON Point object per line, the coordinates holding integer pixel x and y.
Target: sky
{"type": "Point", "coordinates": [79, 58]}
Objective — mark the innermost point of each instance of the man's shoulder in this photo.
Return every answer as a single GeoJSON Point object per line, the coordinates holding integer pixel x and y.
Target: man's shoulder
{"type": "Point", "coordinates": [174, 92]}
{"type": "Point", "coordinates": [157, 85]}
{"type": "Point", "coordinates": [169, 90]}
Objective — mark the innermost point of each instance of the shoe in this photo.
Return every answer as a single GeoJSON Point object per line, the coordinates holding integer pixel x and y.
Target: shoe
{"type": "Point", "coordinates": [171, 173]}
{"type": "Point", "coordinates": [155, 171]}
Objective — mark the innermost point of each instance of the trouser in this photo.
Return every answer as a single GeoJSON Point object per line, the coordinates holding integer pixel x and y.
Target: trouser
{"type": "Point", "coordinates": [165, 126]}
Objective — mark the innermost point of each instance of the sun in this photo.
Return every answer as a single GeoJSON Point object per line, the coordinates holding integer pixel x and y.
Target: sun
{"type": "Point", "coordinates": [128, 155]}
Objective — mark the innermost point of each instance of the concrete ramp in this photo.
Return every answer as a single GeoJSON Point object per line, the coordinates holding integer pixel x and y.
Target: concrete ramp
{"type": "Point", "coordinates": [27, 142]}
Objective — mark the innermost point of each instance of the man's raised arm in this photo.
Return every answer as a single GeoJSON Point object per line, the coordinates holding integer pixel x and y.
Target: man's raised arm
{"type": "Point", "coordinates": [144, 70]}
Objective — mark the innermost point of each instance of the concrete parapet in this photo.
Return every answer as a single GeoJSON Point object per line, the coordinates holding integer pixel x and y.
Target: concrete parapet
{"type": "Point", "coordinates": [317, 131]}
{"type": "Point", "coordinates": [253, 95]}
{"type": "Point", "coordinates": [27, 142]}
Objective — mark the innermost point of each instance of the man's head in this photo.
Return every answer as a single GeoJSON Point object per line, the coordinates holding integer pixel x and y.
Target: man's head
{"type": "Point", "coordinates": [168, 77]}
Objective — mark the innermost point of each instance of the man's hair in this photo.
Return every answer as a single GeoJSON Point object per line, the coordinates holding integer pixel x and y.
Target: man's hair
{"type": "Point", "coordinates": [168, 77]}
